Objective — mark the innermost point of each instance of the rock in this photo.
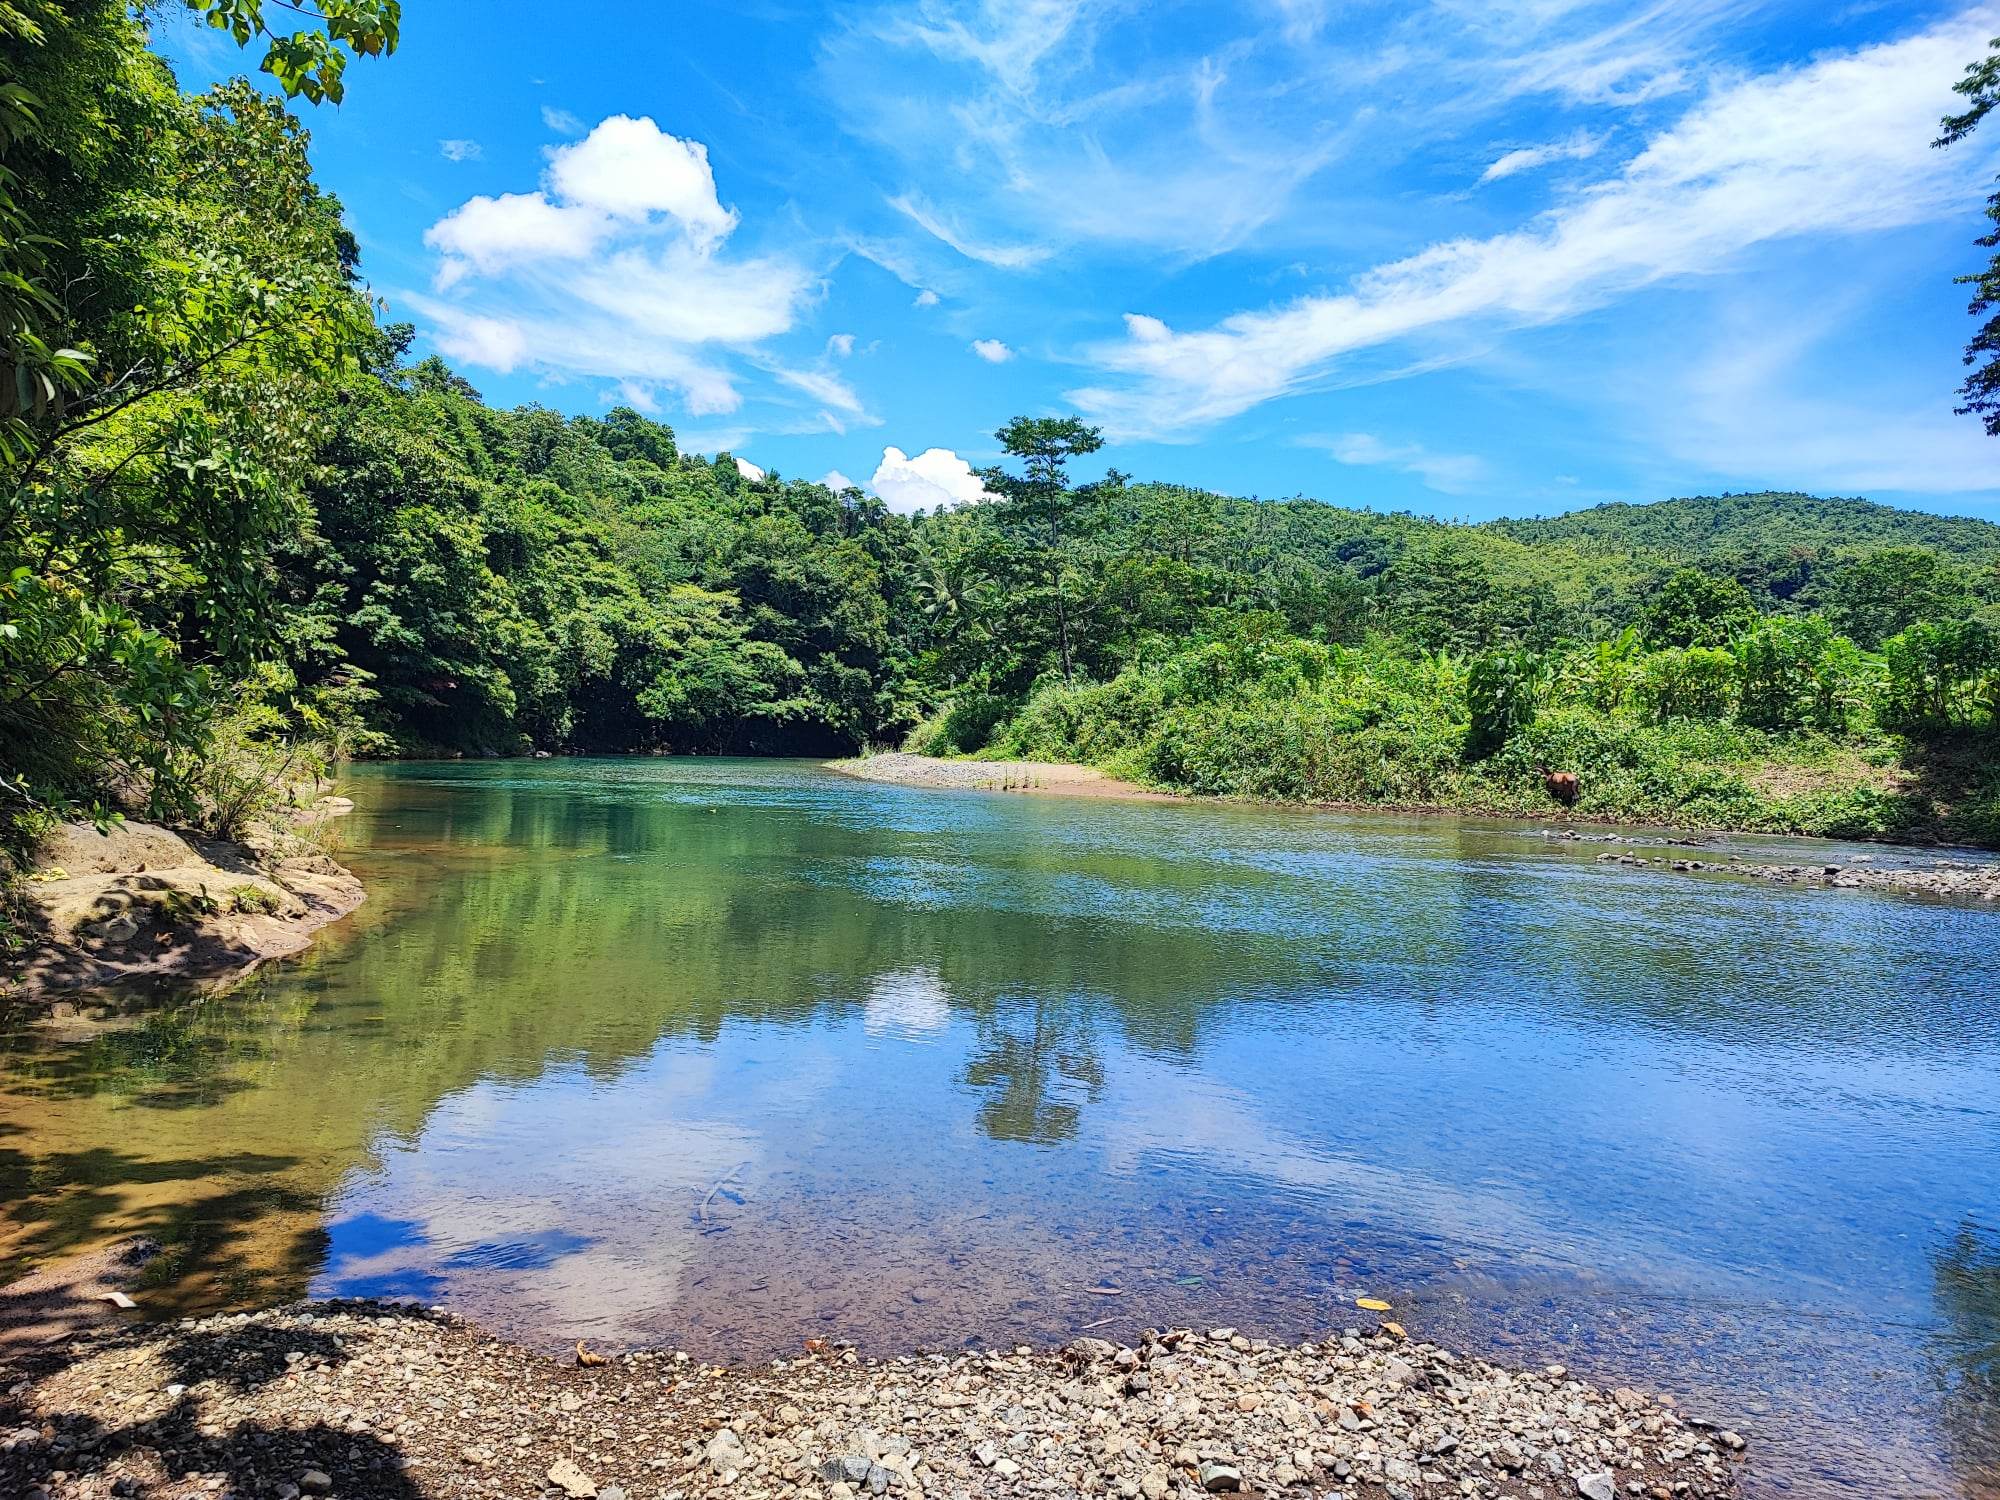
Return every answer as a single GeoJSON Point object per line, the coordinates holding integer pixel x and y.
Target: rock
{"type": "Point", "coordinates": [572, 1481]}
{"type": "Point", "coordinates": [1155, 1483]}
{"type": "Point", "coordinates": [1598, 1486]}
{"type": "Point", "coordinates": [317, 1482]}
{"type": "Point", "coordinates": [987, 1454]}
{"type": "Point", "coordinates": [611, 1492]}
{"type": "Point", "coordinates": [725, 1452]}
{"type": "Point", "coordinates": [1220, 1478]}
{"type": "Point", "coordinates": [849, 1469]}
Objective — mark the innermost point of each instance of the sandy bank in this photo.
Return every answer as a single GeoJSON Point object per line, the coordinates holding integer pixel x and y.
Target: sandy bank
{"type": "Point", "coordinates": [1049, 778]}
{"type": "Point", "coordinates": [139, 902]}
{"type": "Point", "coordinates": [361, 1400]}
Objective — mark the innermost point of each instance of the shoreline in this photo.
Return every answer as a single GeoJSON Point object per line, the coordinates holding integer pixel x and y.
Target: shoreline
{"type": "Point", "coordinates": [1955, 879]}
{"type": "Point", "coordinates": [365, 1400]}
{"type": "Point", "coordinates": [1046, 778]}
{"type": "Point", "coordinates": [140, 905]}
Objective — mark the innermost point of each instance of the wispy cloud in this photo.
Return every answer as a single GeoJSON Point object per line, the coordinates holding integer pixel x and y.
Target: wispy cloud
{"type": "Point", "coordinates": [1578, 147]}
{"type": "Point", "coordinates": [1449, 473]}
{"type": "Point", "coordinates": [459, 149]}
{"type": "Point", "coordinates": [1758, 160]}
{"type": "Point", "coordinates": [561, 121]}
{"type": "Point", "coordinates": [1009, 257]}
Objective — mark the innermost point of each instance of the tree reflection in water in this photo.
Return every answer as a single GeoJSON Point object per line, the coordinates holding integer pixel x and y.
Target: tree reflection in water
{"type": "Point", "coordinates": [1968, 1297]}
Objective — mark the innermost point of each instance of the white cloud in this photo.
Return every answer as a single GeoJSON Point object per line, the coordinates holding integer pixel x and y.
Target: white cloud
{"type": "Point", "coordinates": [631, 169]}
{"type": "Point", "coordinates": [561, 121]}
{"type": "Point", "coordinates": [1008, 257]}
{"type": "Point", "coordinates": [927, 298]}
{"type": "Point", "coordinates": [837, 481]}
{"type": "Point", "coordinates": [1450, 473]}
{"type": "Point", "coordinates": [1578, 147]}
{"type": "Point", "coordinates": [614, 267]}
{"type": "Point", "coordinates": [747, 469]}
{"type": "Point", "coordinates": [935, 477]}
{"type": "Point", "coordinates": [840, 345]}
{"type": "Point", "coordinates": [1758, 160]}
{"type": "Point", "coordinates": [635, 394]}
{"type": "Point", "coordinates": [491, 343]}
{"type": "Point", "coordinates": [459, 150]}
{"type": "Point", "coordinates": [487, 235]}
{"type": "Point", "coordinates": [992, 351]}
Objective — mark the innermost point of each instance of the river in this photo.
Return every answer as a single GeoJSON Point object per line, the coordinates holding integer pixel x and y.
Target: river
{"type": "Point", "coordinates": [729, 1054]}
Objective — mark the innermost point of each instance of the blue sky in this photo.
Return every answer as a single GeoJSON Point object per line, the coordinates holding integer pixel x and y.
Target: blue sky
{"type": "Point", "coordinates": [1468, 257]}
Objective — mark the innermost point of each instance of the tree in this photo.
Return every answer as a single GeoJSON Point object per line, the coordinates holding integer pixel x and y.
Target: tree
{"type": "Point", "coordinates": [1981, 389]}
{"type": "Point", "coordinates": [310, 61]}
{"type": "Point", "coordinates": [1042, 513]}
{"type": "Point", "coordinates": [1888, 591]}
{"type": "Point", "coordinates": [1694, 609]}
{"type": "Point", "coordinates": [1500, 692]}
{"type": "Point", "coordinates": [1939, 673]}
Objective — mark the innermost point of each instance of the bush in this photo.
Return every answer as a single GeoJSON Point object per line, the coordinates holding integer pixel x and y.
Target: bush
{"type": "Point", "coordinates": [1500, 692]}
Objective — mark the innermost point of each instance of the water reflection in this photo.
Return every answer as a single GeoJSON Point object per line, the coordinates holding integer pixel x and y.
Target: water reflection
{"type": "Point", "coordinates": [724, 1054]}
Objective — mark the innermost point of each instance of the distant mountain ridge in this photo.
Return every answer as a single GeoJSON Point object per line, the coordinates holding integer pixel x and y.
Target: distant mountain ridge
{"type": "Point", "coordinates": [1715, 526]}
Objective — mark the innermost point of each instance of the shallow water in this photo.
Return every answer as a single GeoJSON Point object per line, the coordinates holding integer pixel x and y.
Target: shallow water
{"type": "Point", "coordinates": [727, 1054]}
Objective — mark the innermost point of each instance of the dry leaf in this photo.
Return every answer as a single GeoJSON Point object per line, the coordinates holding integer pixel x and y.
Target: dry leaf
{"type": "Point", "coordinates": [585, 1358]}
{"type": "Point", "coordinates": [1373, 1304]}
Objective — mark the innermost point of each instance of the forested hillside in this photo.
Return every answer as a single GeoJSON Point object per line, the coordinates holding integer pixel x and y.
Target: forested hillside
{"type": "Point", "coordinates": [242, 531]}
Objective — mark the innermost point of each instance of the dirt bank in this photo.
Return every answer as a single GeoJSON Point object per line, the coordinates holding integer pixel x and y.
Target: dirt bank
{"type": "Point", "coordinates": [1050, 778]}
{"type": "Point", "coordinates": [360, 1400]}
{"type": "Point", "coordinates": [139, 902]}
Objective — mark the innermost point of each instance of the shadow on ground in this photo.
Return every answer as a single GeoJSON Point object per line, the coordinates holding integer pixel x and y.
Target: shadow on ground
{"type": "Point", "coordinates": [146, 1457]}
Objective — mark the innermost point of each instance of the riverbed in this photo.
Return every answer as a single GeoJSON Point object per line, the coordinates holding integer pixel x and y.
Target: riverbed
{"type": "Point", "coordinates": [726, 1054]}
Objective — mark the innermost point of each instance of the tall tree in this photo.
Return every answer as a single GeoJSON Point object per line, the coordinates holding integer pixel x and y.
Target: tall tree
{"type": "Point", "coordinates": [1043, 511]}
{"type": "Point", "coordinates": [1981, 389]}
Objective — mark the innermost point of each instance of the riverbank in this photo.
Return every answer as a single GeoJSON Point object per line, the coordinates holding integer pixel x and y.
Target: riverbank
{"type": "Point", "coordinates": [1955, 879]}
{"type": "Point", "coordinates": [1046, 777]}
{"type": "Point", "coordinates": [137, 903]}
{"type": "Point", "coordinates": [376, 1402]}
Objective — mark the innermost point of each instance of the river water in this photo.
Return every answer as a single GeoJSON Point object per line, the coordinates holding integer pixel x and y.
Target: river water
{"type": "Point", "coordinates": [729, 1054]}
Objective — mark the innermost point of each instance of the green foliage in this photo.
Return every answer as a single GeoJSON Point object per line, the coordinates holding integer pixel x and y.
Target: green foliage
{"type": "Point", "coordinates": [1980, 87]}
{"type": "Point", "coordinates": [1884, 592]}
{"type": "Point", "coordinates": [1500, 692]}
{"type": "Point", "coordinates": [1694, 609]}
{"type": "Point", "coordinates": [1941, 674]}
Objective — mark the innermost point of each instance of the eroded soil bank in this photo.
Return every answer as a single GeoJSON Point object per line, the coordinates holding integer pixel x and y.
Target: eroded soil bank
{"type": "Point", "coordinates": [365, 1400]}
{"type": "Point", "coordinates": [137, 902]}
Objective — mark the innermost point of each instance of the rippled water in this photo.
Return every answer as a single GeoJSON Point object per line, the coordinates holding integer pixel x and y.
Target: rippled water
{"type": "Point", "coordinates": [728, 1054]}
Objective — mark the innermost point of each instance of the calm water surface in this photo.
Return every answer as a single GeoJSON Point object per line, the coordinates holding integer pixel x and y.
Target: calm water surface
{"type": "Point", "coordinates": [728, 1054]}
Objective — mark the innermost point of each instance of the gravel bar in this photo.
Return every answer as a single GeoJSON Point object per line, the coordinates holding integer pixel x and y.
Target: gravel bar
{"type": "Point", "coordinates": [371, 1400]}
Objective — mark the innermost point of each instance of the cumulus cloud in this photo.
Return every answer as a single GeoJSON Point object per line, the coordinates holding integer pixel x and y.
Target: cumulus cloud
{"type": "Point", "coordinates": [458, 150]}
{"type": "Point", "coordinates": [631, 169]}
{"type": "Point", "coordinates": [836, 481]}
{"type": "Point", "coordinates": [1578, 147]}
{"type": "Point", "coordinates": [747, 469]}
{"type": "Point", "coordinates": [615, 266]}
{"type": "Point", "coordinates": [992, 351]}
{"type": "Point", "coordinates": [1758, 160]}
{"type": "Point", "coordinates": [927, 298]}
{"type": "Point", "coordinates": [935, 477]}
{"type": "Point", "coordinates": [1450, 473]}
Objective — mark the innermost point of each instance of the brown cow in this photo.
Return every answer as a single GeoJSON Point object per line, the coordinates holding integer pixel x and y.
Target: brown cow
{"type": "Point", "coordinates": [1562, 785]}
